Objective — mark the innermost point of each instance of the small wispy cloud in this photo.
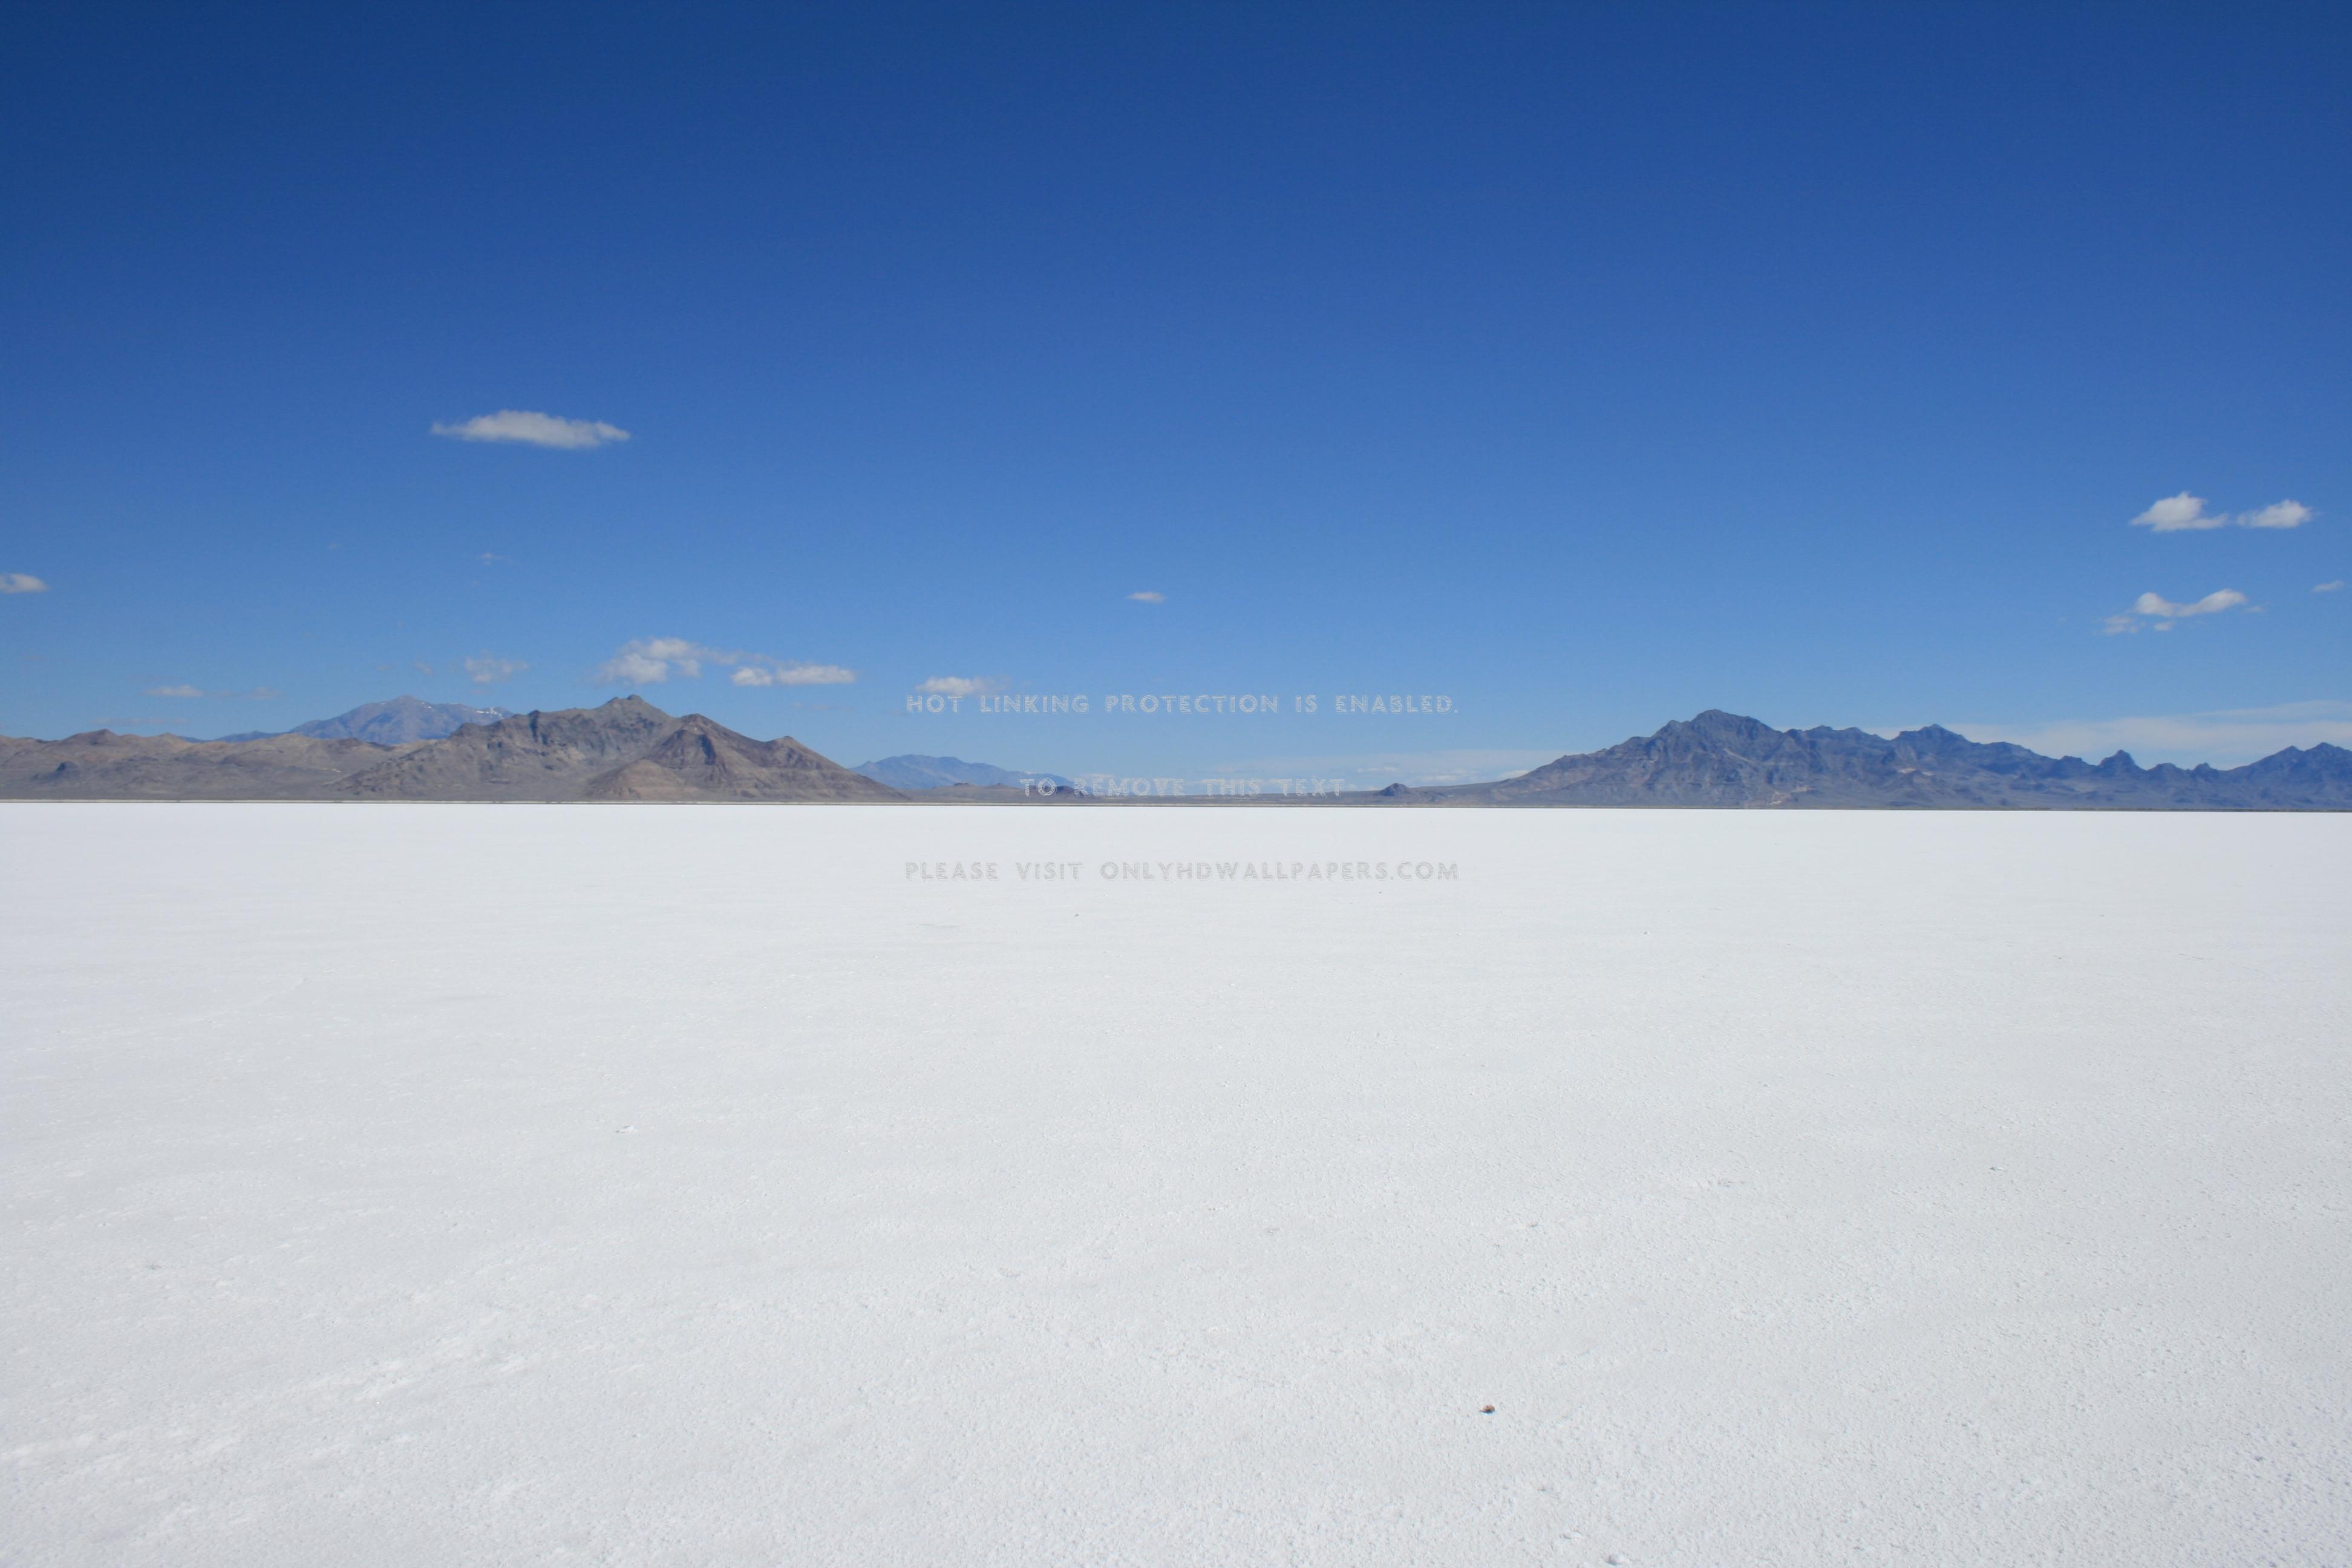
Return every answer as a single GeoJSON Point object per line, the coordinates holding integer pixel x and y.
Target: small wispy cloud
{"type": "Point", "coordinates": [1149, 596]}
{"type": "Point", "coordinates": [2163, 613]}
{"type": "Point", "coordinates": [485, 669]}
{"type": "Point", "coordinates": [259, 694]}
{"type": "Point", "coordinates": [651, 661]}
{"type": "Point", "coordinates": [2185, 513]}
{"type": "Point", "coordinates": [21, 582]}
{"type": "Point", "coordinates": [648, 661]}
{"type": "Point", "coordinates": [534, 429]}
{"type": "Point", "coordinates": [2212, 604]}
{"type": "Point", "coordinates": [2335, 587]}
{"type": "Point", "coordinates": [959, 686]}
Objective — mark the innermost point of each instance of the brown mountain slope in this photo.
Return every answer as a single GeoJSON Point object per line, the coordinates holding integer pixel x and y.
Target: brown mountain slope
{"type": "Point", "coordinates": [626, 750]}
{"type": "Point", "coordinates": [103, 765]}
{"type": "Point", "coordinates": [704, 760]}
{"type": "Point", "coordinates": [640, 780]}
{"type": "Point", "coordinates": [531, 756]}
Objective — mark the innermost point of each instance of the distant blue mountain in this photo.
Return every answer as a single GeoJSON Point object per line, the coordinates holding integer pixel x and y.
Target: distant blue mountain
{"type": "Point", "coordinates": [393, 723]}
{"type": "Point", "coordinates": [912, 772]}
{"type": "Point", "coordinates": [1722, 759]}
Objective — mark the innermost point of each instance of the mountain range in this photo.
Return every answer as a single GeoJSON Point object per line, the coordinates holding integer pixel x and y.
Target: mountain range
{"type": "Point", "coordinates": [628, 749]}
{"type": "Point", "coordinates": [390, 724]}
{"type": "Point", "coordinates": [1721, 759]}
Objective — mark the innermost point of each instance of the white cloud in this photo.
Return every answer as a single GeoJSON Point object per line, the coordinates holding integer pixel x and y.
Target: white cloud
{"type": "Point", "coordinates": [792, 675]}
{"type": "Point", "coordinates": [2336, 587]}
{"type": "Point", "coordinates": [647, 661]}
{"type": "Point", "coordinates": [181, 690]}
{"type": "Point", "coordinates": [2210, 604]}
{"type": "Point", "coordinates": [2175, 513]}
{"type": "Point", "coordinates": [534, 430]}
{"type": "Point", "coordinates": [2278, 514]}
{"type": "Point", "coordinates": [21, 582]}
{"type": "Point", "coordinates": [2183, 512]}
{"type": "Point", "coordinates": [1149, 596]}
{"type": "Point", "coordinates": [959, 686]}
{"type": "Point", "coordinates": [2164, 612]}
{"type": "Point", "coordinates": [2225, 737]}
{"type": "Point", "coordinates": [486, 671]}
{"type": "Point", "coordinates": [650, 661]}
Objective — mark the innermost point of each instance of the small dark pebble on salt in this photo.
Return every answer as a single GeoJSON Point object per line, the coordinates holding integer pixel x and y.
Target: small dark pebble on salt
{"type": "Point", "coordinates": [1488, 1410]}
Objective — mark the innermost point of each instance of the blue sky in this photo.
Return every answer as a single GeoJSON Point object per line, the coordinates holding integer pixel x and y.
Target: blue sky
{"type": "Point", "coordinates": [1586, 366]}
